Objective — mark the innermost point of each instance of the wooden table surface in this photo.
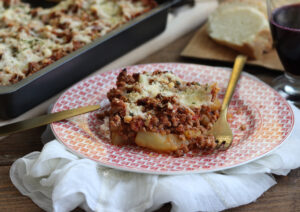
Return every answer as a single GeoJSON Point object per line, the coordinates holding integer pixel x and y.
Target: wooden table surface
{"type": "Point", "coordinates": [284, 196]}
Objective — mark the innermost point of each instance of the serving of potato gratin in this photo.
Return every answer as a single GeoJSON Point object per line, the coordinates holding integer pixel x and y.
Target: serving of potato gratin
{"type": "Point", "coordinates": [161, 112]}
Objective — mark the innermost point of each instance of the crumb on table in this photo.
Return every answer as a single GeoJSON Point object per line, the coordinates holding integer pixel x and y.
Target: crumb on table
{"type": "Point", "coordinates": [243, 127]}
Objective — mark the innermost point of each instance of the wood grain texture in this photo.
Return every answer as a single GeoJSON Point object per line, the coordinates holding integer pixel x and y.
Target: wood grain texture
{"type": "Point", "coordinates": [19, 144]}
{"type": "Point", "coordinates": [282, 197]}
{"type": "Point", "coordinates": [10, 198]}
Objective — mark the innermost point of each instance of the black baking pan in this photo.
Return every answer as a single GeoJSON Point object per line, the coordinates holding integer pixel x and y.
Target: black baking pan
{"type": "Point", "coordinates": [29, 92]}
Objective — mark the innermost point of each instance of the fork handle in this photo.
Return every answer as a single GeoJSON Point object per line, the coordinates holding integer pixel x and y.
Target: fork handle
{"type": "Point", "coordinates": [239, 63]}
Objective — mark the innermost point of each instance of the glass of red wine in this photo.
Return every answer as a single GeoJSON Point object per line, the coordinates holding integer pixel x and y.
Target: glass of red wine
{"type": "Point", "coordinates": [284, 16]}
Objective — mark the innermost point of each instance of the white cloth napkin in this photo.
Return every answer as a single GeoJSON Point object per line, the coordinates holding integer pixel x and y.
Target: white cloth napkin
{"type": "Point", "coordinates": [57, 180]}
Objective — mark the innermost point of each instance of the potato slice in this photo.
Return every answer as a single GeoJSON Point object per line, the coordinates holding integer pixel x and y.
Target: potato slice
{"type": "Point", "coordinates": [158, 142]}
{"type": "Point", "coordinates": [116, 139]}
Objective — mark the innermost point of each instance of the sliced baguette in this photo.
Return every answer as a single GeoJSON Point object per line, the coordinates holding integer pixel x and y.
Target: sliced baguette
{"type": "Point", "coordinates": [241, 26]}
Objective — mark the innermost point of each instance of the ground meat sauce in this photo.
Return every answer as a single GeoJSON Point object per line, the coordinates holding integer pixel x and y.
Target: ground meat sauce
{"type": "Point", "coordinates": [165, 114]}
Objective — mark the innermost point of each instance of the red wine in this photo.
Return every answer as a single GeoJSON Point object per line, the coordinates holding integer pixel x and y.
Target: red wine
{"type": "Point", "coordinates": [285, 26]}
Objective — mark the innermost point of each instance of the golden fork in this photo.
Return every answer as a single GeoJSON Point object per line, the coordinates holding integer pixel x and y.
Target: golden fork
{"type": "Point", "coordinates": [221, 129]}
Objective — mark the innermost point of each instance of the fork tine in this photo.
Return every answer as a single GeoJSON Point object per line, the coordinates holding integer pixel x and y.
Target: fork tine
{"type": "Point", "coordinates": [223, 143]}
{"type": "Point", "coordinates": [218, 144]}
{"type": "Point", "coordinates": [227, 145]}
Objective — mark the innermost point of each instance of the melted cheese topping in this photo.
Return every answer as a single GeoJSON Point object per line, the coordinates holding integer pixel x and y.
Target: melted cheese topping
{"type": "Point", "coordinates": [166, 84]}
{"type": "Point", "coordinates": [31, 35]}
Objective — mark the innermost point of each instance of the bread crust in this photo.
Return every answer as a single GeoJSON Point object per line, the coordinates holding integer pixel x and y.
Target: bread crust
{"type": "Point", "coordinates": [254, 50]}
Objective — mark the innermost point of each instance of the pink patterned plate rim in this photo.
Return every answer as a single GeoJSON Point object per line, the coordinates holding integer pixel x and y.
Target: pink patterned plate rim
{"type": "Point", "coordinates": [261, 121]}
